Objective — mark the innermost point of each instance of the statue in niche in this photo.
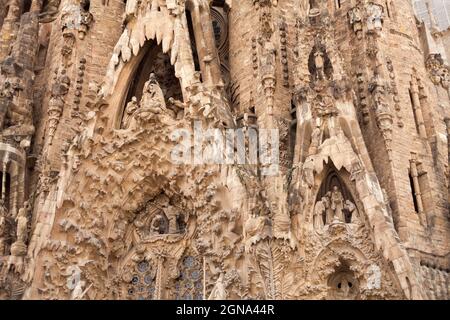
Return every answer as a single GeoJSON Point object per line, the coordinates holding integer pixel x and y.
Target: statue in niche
{"type": "Point", "coordinates": [337, 204]}
{"type": "Point", "coordinates": [329, 213]}
{"type": "Point", "coordinates": [316, 139]}
{"type": "Point", "coordinates": [19, 247]}
{"type": "Point", "coordinates": [158, 224]}
{"type": "Point", "coordinates": [160, 218]}
{"type": "Point", "coordinates": [375, 17]}
{"type": "Point", "coordinates": [152, 103]}
{"type": "Point", "coordinates": [130, 109]}
{"type": "Point", "coordinates": [173, 216]}
{"type": "Point", "coordinates": [219, 291]}
{"type": "Point", "coordinates": [355, 17]}
{"type": "Point", "coordinates": [377, 88]}
{"type": "Point", "coordinates": [76, 17]}
{"type": "Point", "coordinates": [353, 214]}
{"type": "Point", "coordinates": [74, 282]}
{"type": "Point", "coordinates": [22, 224]}
{"type": "Point", "coordinates": [319, 211]}
{"type": "Point", "coordinates": [319, 64]}
{"type": "Point", "coordinates": [268, 58]}
{"type": "Point", "coordinates": [308, 171]}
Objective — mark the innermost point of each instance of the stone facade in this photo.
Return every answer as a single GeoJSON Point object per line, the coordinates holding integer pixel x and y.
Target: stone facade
{"type": "Point", "coordinates": [93, 205]}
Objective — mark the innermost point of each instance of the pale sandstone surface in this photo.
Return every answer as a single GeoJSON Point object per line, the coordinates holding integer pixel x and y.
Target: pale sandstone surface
{"type": "Point", "coordinates": [93, 205]}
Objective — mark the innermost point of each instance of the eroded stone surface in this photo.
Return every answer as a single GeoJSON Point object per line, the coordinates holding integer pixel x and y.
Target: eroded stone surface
{"type": "Point", "coordinates": [93, 205]}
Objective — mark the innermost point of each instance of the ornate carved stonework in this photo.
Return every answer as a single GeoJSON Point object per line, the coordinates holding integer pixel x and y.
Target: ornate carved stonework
{"type": "Point", "coordinates": [193, 149]}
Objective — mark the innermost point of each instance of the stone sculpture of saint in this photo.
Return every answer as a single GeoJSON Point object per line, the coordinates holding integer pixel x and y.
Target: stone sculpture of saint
{"type": "Point", "coordinates": [315, 141]}
{"type": "Point", "coordinates": [351, 208]}
{"type": "Point", "coordinates": [319, 209]}
{"type": "Point", "coordinates": [337, 204]}
{"type": "Point", "coordinates": [22, 224]}
{"type": "Point", "coordinates": [157, 224]}
{"type": "Point", "coordinates": [375, 20]}
{"type": "Point", "coordinates": [319, 63]}
{"type": "Point", "coordinates": [130, 109]}
{"type": "Point", "coordinates": [329, 213]}
{"type": "Point", "coordinates": [152, 102]}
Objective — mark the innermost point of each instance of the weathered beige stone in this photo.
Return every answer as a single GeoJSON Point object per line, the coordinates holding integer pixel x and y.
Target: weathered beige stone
{"type": "Point", "coordinates": [96, 201]}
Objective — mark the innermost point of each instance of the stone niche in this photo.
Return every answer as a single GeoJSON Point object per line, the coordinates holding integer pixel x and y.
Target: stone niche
{"type": "Point", "coordinates": [342, 285]}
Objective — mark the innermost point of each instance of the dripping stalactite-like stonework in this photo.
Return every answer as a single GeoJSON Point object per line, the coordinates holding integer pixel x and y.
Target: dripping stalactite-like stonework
{"type": "Point", "coordinates": [92, 205]}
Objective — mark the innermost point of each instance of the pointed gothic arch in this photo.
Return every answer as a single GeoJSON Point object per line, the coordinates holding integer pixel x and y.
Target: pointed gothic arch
{"type": "Point", "coordinates": [333, 179]}
{"type": "Point", "coordinates": [136, 72]}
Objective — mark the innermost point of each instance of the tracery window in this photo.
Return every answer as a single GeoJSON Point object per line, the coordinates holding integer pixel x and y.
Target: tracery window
{"type": "Point", "coordinates": [189, 286]}
{"type": "Point", "coordinates": [142, 283]}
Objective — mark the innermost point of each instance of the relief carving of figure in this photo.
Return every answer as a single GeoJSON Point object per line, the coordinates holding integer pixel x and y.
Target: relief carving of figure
{"type": "Point", "coordinates": [352, 211]}
{"type": "Point", "coordinates": [268, 57]}
{"type": "Point", "coordinates": [328, 210]}
{"type": "Point", "coordinates": [319, 210]}
{"type": "Point", "coordinates": [375, 17]}
{"type": "Point", "coordinates": [308, 171]}
{"type": "Point", "coordinates": [130, 109]}
{"type": "Point", "coordinates": [355, 17]}
{"type": "Point", "coordinates": [152, 102]}
{"type": "Point", "coordinates": [337, 204]}
{"type": "Point", "coordinates": [157, 225]}
{"type": "Point", "coordinates": [316, 139]}
{"type": "Point", "coordinates": [319, 64]}
{"type": "Point", "coordinates": [22, 224]}
{"type": "Point", "coordinates": [56, 104]}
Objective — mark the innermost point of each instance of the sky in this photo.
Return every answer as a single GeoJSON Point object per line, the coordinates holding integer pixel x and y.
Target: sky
{"type": "Point", "coordinates": [441, 12]}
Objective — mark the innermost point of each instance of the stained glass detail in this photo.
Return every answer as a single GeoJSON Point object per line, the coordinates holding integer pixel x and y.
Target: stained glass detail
{"type": "Point", "coordinates": [142, 284]}
{"type": "Point", "coordinates": [189, 285]}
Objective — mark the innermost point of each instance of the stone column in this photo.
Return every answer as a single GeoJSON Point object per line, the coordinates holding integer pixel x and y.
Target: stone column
{"type": "Point", "coordinates": [417, 107]}
{"type": "Point", "coordinates": [447, 124]}
{"type": "Point", "coordinates": [213, 66]}
{"type": "Point", "coordinates": [5, 168]}
{"type": "Point", "coordinates": [199, 41]}
{"type": "Point", "coordinates": [417, 191]}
